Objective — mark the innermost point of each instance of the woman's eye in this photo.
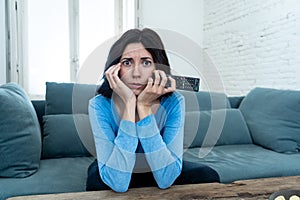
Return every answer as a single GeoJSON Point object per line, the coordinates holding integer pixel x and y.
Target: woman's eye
{"type": "Point", "coordinates": [126, 63]}
{"type": "Point", "coordinates": [147, 63]}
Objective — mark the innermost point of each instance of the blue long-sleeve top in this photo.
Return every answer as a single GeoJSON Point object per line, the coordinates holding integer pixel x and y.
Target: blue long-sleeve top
{"type": "Point", "coordinates": [121, 145]}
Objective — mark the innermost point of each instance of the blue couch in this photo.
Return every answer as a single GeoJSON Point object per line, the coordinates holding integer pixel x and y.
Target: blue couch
{"type": "Point", "coordinates": [226, 139]}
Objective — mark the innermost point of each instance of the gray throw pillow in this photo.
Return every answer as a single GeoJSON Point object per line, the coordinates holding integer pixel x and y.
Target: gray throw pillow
{"type": "Point", "coordinates": [215, 128]}
{"type": "Point", "coordinates": [20, 134]}
{"type": "Point", "coordinates": [65, 135]}
{"type": "Point", "coordinates": [273, 118]}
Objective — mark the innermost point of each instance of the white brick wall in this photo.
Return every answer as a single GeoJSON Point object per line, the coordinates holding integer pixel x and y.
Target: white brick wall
{"type": "Point", "coordinates": [253, 43]}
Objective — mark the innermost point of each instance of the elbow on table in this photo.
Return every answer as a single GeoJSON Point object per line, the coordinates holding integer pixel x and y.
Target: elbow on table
{"type": "Point", "coordinates": [118, 183]}
{"type": "Point", "coordinates": [120, 189]}
{"type": "Point", "coordinates": [164, 186]}
{"type": "Point", "coordinates": [166, 177]}
{"type": "Point", "coordinates": [166, 183]}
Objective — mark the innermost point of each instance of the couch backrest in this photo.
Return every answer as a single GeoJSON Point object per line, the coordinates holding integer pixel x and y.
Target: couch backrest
{"type": "Point", "coordinates": [273, 118]}
{"type": "Point", "coordinates": [213, 119]}
{"type": "Point", "coordinates": [64, 120]}
{"type": "Point", "coordinates": [214, 128]}
{"type": "Point", "coordinates": [200, 101]}
{"type": "Point", "coordinates": [68, 98]}
{"type": "Point", "coordinates": [67, 103]}
{"type": "Point", "coordinates": [235, 101]}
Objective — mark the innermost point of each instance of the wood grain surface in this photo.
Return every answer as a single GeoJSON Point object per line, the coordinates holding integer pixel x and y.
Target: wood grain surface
{"type": "Point", "coordinates": [247, 189]}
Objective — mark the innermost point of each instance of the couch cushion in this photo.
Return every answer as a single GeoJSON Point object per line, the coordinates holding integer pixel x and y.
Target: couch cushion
{"type": "Point", "coordinates": [245, 161]}
{"type": "Point", "coordinates": [20, 136]}
{"type": "Point", "coordinates": [273, 118]}
{"type": "Point", "coordinates": [200, 101]}
{"type": "Point", "coordinates": [62, 135]}
{"type": "Point", "coordinates": [195, 172]}
{"type": "Point", "coordinates": [216, 127]}
{"type": "Point", "coordinates": [54, 176]}
{"type": "Point", "coordinates": [64, 101]}
{"type": "Point", "coordinates": [68, 98]}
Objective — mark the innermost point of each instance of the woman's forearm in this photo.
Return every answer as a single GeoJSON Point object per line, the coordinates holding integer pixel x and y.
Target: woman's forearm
{"type": "Point", "coordinates": [129, 111]}
{"type": "Point", "coordinates": [143, 110]}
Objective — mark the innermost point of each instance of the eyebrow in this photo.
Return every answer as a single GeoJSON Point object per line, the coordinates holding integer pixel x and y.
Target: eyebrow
{"type": "Point", "coordinates": [142, 58]}
{"type": "Point", "coordinates": [126, 59]}
{"type": "Point", "coordinates": [145, 58]}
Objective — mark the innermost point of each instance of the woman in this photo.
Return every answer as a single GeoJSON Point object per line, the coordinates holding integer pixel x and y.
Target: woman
{"type": "Point", "coordinates": [137, 122]}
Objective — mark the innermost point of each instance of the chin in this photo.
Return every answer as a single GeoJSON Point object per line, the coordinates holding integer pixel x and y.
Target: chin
{"type": "Point", "coordinates": [137, 92]}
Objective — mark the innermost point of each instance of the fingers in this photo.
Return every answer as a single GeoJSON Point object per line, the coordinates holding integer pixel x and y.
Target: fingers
{"type": "Point", "coordinates": [160, 80]}
{"type": "Point", "coordinates": [156, 78]}
{"type": "Point", "coordinates": [164, 79]}
{"type": "Point", "coordinates": [117, 85]}
{"type": "Point", "coordinates": [150, 82]}
{"type": "Point", "coordinates": [112, 75]}
{"type": "Point", "coordinates": [172, 88]}
{"type": "Point", "coordinates": [156, 87]}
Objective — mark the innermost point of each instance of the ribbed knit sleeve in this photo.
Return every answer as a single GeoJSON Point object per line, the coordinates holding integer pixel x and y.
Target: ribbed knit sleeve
{"type": "Point", "coordinates": [164, 148]}
{"type": "Point", "coordinates": [115, 147]}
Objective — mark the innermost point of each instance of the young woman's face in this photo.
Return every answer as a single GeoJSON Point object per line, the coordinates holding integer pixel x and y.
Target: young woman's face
{"type": "Point", "coordinates": [137, 66]}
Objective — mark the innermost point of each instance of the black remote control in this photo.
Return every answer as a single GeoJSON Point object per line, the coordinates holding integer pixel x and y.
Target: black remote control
{"type": "Point", "coordinates": [187, 83]}
{"type": "Point", "coordinates": [184, 83]}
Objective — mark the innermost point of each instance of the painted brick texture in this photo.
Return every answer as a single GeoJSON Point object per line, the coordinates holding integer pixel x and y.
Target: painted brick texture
{"type": "Point", "coordinates": [252, 43]}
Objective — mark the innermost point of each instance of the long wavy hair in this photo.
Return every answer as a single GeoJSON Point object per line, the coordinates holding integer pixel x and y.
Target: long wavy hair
{"type": "Point", "coordinates": [152, 43]}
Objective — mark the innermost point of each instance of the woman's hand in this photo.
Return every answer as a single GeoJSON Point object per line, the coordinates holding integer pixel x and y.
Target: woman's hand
{"type": "Point", "coordinates": [154, 89]}
{"type": "Point", "coordinates": [125, 93]}
{"type": "Point", "coordinates": [118, 86]}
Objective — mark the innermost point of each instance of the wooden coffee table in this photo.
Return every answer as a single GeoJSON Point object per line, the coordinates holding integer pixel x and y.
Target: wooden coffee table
{"type": "Point", "coordinates": [247, 189]}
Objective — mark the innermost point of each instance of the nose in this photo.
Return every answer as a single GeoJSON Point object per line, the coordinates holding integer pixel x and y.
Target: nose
{"type": "Point", "coordinates": [136, 70]}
